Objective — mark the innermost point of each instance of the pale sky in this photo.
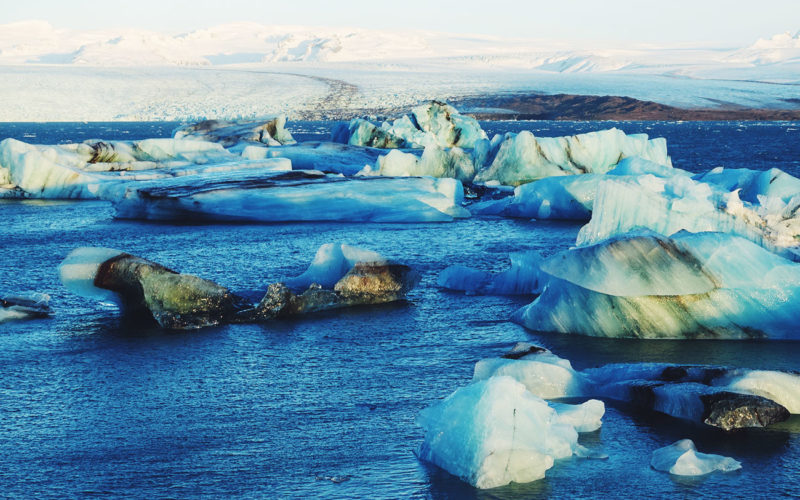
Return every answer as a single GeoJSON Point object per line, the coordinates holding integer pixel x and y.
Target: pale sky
{"type": "Point", "coordinates": [664, 21]}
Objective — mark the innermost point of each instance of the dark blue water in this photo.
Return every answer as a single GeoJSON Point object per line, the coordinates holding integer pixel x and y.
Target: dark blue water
{"type": "Point", "coordinates": [91, 405]}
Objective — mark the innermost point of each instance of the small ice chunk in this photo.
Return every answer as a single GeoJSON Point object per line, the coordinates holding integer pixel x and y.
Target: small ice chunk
{"type": "Point", "coordinates": [682, 459]}
{"type": "Point", "coordinates": [79, 269]}
{"type": "Point", "coordinates": [585, 417]}
{"type": "Point", "coordinates": [331, 263]}
{"type": "Point", "coordinates": [544, 375]}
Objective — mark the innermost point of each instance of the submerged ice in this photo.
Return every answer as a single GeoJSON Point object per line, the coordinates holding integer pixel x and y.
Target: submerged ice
{"type": "Point", "coordinates": [682, 459]}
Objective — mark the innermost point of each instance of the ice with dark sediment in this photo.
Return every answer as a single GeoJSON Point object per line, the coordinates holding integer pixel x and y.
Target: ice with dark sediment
{"type": "Point", "coordinates": [294, 196]}
{"type": "Point", "coordinates": [271, 132]}
{"type": "Point", "coordinates": [645, 285]}
{"type": "Point", "coordinates": [340, 276]}
{"type": "Point", "coordinates": [726, 398]}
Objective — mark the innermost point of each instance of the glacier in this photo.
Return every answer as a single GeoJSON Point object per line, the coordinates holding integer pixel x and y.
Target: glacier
{"type": "Point", "coordinates": [681, 458]}
{"type": "Point", "coordinates": [644, 285]}
{"type": "Point", "coordinates": [350, 276]}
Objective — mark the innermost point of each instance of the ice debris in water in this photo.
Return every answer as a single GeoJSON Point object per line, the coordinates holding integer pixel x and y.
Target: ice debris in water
{"type": "Point", "coordinates": [28, 305]}
{"type": "Point", "coordinates": [523, 277]}
{"type": "Point", "coordinates": [494, 432]}
{"type": "Point", "coordinates": [707, 285]}
{"type": "Point", "coordinates": [682, 459]}
{"type": "Point", "coordinates": [331, 263]}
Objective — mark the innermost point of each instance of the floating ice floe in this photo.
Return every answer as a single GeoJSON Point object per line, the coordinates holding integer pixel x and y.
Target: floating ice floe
{"type": "Point", "coordinates": [754, 185]}
{"type": "Point", "coordinates": [271, 132]}
{"type": "Point", "coordinates": [494, 432]}
{"type": "Point", "coordinates": [682, 459]}
{"type": "Point", "coordinates": [181, 301]}
{"type": "Point", "coordinates": [499, 430]}
{"type": "Point", "coordinates": [523, 158]}
{"type": "Point", "coordinates": [28, 305]}
{"type": "Point", "coordinates": [704, 285]}
{"type": "Point", "coordinates": [523, 277]}
{"type": "Point", "coordinates": [668, 205]}
{"type": "Point", "coordinates": [294, 196]}
{"type": "Point", "coordinates": [433, 124]}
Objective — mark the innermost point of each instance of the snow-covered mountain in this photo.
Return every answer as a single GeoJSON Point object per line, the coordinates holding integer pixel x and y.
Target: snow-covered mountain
{"type": "Point", "coordinates": [38, 42]}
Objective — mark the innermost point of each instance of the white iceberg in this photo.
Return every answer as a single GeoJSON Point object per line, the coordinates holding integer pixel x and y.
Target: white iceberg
{"type": "Point", "coordinates": [668, 205]}
{"type": "Point", "coordinates": [706, 285]}
{"type": "Point", "coordinates": [494, 432]}
{"type": "Point", "coordinates": [754, 185]}
{"type": "Point", "coordinates": [543, 374]}
{"type": "Point", "coordinates": [682, 459]}
{"type": "Point", "coordinates": [523, 277]}
{"type": "Point", "coordinates": [523, 158]}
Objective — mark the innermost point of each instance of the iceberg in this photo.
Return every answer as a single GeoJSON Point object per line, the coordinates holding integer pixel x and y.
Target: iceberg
{"type": "Point", "coordinates": [432, 124]}
{"type": "Point", "coordinates": [523, 158]}
{"type": "Point", "coordinates": [271, 132]}
{"type": "Point", "coordinates": [571, 197]}
{"type": "Point", "coordinates": [703, 394]}
{"type": "Point", "coordinates": [682, 459]}
{"type": "Point", "coordinates": [293, 196]}
{"type": "Point", "coordinates": [329, 157]}
{"type": "Point", "coordinates": [87, 170]}
{"type": "Point", "coordinates": [146, 289]}
{"type": "Point", "coordinates": [680, 203]}
{"type": "Point", "coordinates": [29, 305]}
{"type": "Point", "coordinates": [754, 185]}
{"type": "Point", "coordinates": [523, 277]}
{"type": "Point", "coordinates": [494, 432]}
{"type": "Point", "coordinates": [644, 285]}
{"type": "Point", "coordinates": [434, 162]}
{"type": "Point", "coordinates": [726, 398]}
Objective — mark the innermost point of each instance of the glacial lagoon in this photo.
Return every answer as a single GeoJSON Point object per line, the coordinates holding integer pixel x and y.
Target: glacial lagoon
{"type": "Point", "coordinates": [326, 405]}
